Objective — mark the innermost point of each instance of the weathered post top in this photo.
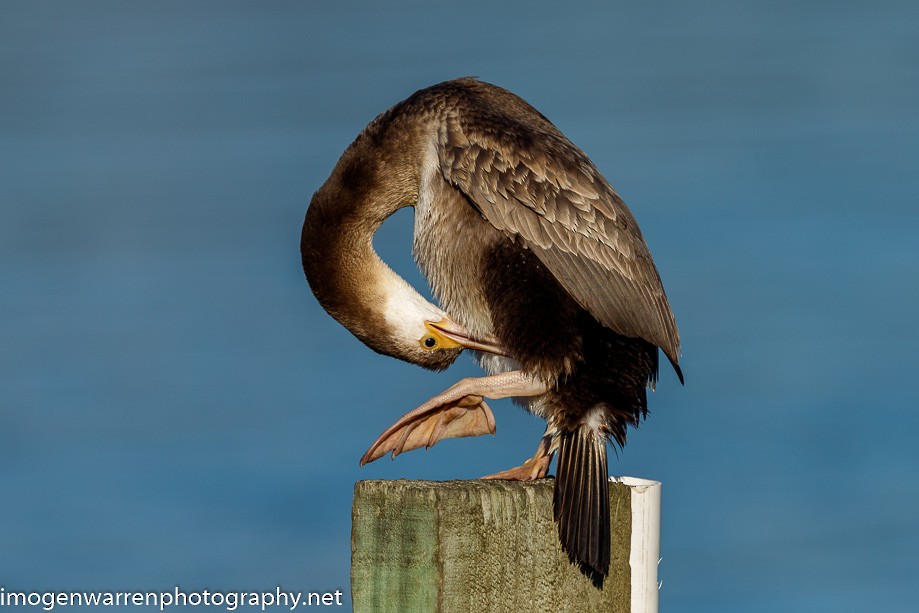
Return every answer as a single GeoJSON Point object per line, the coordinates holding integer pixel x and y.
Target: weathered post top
{"type": "Point", "coordinates": [489, 546]}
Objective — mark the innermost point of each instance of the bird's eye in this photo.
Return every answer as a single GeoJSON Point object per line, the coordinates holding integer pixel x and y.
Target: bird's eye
{"type": "Point", "coordinates": [429, 342]}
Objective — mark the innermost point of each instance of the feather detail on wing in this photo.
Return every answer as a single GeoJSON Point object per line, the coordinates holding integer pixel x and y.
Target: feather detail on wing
{"type": "Point", "coordinates": [539, 187]}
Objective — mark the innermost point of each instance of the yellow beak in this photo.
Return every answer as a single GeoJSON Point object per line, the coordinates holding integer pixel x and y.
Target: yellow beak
{"type": "Point", "coordinates": [456, 334]}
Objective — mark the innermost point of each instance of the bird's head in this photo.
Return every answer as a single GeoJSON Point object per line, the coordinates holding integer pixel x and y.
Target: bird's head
{"type": "Point", "coordinates": [423, 334]}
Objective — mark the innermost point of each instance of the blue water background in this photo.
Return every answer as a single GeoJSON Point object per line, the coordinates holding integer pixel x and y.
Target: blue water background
{"type": "Point", "coordinates": [175, 407]}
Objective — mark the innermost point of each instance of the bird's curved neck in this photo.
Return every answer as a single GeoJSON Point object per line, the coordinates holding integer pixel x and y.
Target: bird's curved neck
{"type": "Point", "coordinates": [347, 276]}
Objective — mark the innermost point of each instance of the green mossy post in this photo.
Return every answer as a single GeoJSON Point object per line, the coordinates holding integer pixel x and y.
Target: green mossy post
{"type": "Point", "coordinates": [483, 546]}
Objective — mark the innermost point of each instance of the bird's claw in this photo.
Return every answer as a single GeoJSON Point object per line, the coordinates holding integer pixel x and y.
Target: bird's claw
{"type": "Point", "coordinates": [536, 467]}
{"type": "Point", "coordinates": [457, 412]}
{"type": "Point", "coordinates": [426, 425]}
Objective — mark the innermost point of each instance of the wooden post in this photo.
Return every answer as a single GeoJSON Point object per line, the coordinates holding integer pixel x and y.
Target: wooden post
{"type": "Point", "coordinates": [489, 546]}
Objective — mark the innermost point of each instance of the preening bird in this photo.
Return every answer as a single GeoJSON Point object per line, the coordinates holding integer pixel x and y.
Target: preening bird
{"type": "Point", "coordinates": [538, 266]}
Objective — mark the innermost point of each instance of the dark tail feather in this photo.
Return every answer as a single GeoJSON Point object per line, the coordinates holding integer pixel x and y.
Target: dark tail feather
{"type": "Point", "coordinates": [581, 502]}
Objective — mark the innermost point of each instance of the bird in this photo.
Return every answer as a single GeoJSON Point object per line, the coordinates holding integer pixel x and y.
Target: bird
{"type": "Point", "coordinates": [538, 267]}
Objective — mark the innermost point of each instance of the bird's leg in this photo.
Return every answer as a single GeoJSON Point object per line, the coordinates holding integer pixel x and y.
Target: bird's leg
{"type": "Point", "coordinates": [457, 412]}
{"type": "Point", "coordinates": [536, 467]}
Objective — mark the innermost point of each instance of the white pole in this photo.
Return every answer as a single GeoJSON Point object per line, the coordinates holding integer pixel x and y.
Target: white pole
{"type": "Point", "coordinates": [646, 542]}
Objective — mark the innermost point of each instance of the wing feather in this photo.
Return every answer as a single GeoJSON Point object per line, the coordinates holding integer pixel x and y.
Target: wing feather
{"type": "Point", "coordinates": [533, 183]}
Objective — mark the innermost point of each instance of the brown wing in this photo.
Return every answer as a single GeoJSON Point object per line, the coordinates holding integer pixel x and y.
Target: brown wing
{"type": "Point", "coordinates": [531, 182]}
